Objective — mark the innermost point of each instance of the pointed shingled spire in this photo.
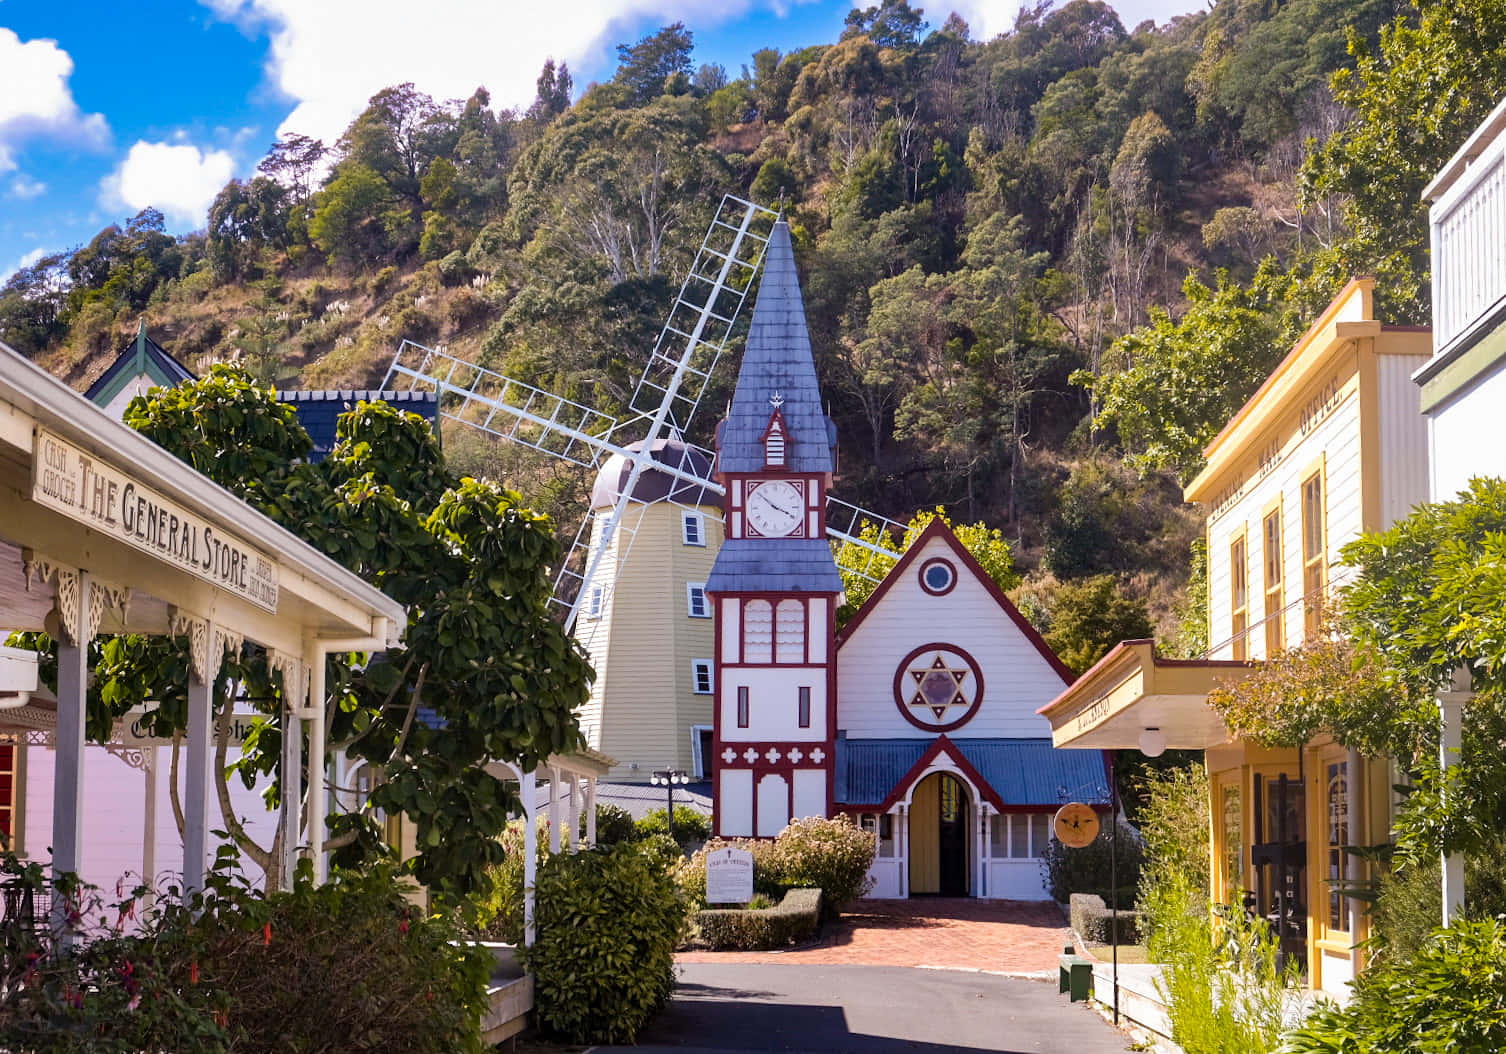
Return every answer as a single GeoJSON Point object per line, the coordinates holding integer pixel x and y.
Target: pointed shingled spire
{"type": "Point", "coordinates": [777, 360]}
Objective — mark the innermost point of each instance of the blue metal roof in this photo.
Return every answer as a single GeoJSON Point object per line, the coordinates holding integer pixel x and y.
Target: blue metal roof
{"type": "Point", "coordinates": [319, 412]}
{"type": "Point", "coordinates": [778, 565]}
{"type": "Point", "coordinates": [1020, 771]}
{"type": "Point", "coordinates": [777, 362]}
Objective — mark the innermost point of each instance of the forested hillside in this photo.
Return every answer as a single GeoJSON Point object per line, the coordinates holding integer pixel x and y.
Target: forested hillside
{"type": "Point", "coordinates": [1040, 270]}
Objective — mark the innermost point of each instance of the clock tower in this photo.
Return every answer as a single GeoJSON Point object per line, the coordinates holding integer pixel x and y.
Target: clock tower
{"type": "Point", "coordinates": [775, 585]}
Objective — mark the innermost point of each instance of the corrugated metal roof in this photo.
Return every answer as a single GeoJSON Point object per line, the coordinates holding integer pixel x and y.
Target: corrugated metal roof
{"type": "Point", "coordinates": [1020, 771]}
{"type": "Point", "coordinates": [778, 565]}
{"type": "Point", "coordinates": [319, 411]}
{"type": "Point", "coordinates": [777, 361]}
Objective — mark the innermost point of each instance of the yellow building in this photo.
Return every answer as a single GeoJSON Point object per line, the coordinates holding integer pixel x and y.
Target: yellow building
{"type": "Point", "coordinates": [1331, 446]}
{"type": "Point", "coordinates": [646, 622]}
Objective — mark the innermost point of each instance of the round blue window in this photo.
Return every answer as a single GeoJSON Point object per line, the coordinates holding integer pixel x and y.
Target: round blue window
{"type": "Point", "coordinates": [938, 576]}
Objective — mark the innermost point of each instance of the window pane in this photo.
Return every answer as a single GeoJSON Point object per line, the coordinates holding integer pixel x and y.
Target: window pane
{"type": "Point", "coordinates": [998, 836]}
{"type": "Point", "coordinates": [805, 707]}
{"type": "Point", "coordinates": [1338, 837]}
{"type": "Point", "coordinates": [886, 835]}
{"type": "Point", "coordinates": [742, 707]}
{"type": "Point", "coordinates": [1019, 837]}
{"type": "Point", "coordinates": [1040, 833]}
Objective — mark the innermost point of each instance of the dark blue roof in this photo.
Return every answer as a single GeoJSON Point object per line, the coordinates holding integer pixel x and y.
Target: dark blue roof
{"type": "Point", "coordinates": [777, 362]}
{"type": "Point", "coordinates": [319, 411]}
{"type": "Point", "coordinates": [779, 565]}
{"type": "Point", "coordinates": [1020, 771]}
{"type": "Point", "coordinates": [142, 355]}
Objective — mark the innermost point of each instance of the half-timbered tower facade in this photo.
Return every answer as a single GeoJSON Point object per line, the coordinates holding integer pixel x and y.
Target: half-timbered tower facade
{"type": "Point", "coordinates": [775, 584]}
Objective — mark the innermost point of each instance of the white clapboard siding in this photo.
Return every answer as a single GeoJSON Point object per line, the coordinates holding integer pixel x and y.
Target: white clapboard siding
{"type": "Point", "coordinates": [1469, 248]}
{"type": "Point", "coordinates": [1403, 437]}
{"type": "Point", "coordinates": [1466, 436]}
{"type": "Point", "coordinates": [1017, 678]}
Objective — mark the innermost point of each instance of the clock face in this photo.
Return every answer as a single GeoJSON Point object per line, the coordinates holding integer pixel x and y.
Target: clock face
{"type": "Point", "coordinates": [1075, 825]}
{"type": "Point", "coordinates": [775, 508]}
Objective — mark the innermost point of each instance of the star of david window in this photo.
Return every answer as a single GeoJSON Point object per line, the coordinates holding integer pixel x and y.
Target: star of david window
{"type": "Point", "coordinates": [938, 687]}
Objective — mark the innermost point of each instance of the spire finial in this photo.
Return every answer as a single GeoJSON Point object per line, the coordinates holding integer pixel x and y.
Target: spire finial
{"type": "Point", "coordinates": [776, 400]}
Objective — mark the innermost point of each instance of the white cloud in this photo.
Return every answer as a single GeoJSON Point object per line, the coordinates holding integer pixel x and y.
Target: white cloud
{"type": "Point", "coordinates": [986, 19]}
{"type": "Point", "coordinates": [25, 261]}
{"type": "Point", "coordinates": [180, 180]}
{"type": "Point", "coordinates": [25, 188]}
{"type": "Point", "coordinates": [36, 99]}
{"type": "Point", "coordinates": [331, 57]}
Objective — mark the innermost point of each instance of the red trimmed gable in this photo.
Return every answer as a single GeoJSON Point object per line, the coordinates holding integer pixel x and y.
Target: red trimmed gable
{"type": "Point", "coordinates": [940, 745]}
{"type": "Point", "coordinates": [937, 528]}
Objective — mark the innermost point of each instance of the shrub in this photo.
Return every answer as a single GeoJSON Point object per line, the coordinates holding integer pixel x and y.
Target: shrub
{"type": "Point", "coordinates": [691, 828]}
{"type": "Point", "coordinates": [1224, 992]}
{"type": "Point", "coordinates": [613, 824]}
{"type": "Point", "coordinates": [796, 917]}
{"type": "Point", "coordinates": [1409, 901]}
{"type": "Point", "coordinates": [1089, 870]}
{"type": "Point", "coordinates": [1174, 829]}
{"type": "Point", "coordinates": [455, 269]}
{"type": "Point", "coordinates": [1095, 923]}
{"type": "Point", "coordinates": [382, 279]}
{"type": "Point", "coordinates": [830, 855]}
{"type": "Point", "coordinates": [1450, 996]}
{"type": "Point", "coordinates": [349, 965]}
{"type": "Point", "coordinates": [608, 921]}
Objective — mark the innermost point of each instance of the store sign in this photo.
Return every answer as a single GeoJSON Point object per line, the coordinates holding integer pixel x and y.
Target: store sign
{"type": "Point", "coordinates": [101, 496]}
{"type": "Point", "coordinates": [729, 876]}
{"type": "Point", "coordinates": [133, 729]}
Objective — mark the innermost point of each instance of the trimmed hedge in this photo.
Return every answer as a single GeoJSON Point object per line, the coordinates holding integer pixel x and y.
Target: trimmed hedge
{"type": "Point", "coordinates": [743, 929]}
{"type": "Point", "coordinates": [1094, 922]}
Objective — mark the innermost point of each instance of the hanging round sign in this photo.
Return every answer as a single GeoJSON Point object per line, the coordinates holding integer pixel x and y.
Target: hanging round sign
{"type": "Point", "coordinates": [1075, 825]}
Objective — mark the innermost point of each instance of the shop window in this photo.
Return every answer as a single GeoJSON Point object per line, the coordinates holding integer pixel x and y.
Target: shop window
{"type": "Point", "coordinates": [1275, 640]}
{"type": "Point", "coordinates": [1314, 560]}
{"type": "Point", "coordinates": [1239, 597]}
{"type": "Point", "coordinates": [1233, 836]}
{"type": "Point", "coordinates": [1338, 838]}
{"type": "Point", "coordinates": [693, 528]}
{"type": "Point", "coordinates": [10, 790]}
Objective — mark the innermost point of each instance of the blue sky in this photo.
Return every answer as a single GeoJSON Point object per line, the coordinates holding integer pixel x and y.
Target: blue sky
{"type": "Point", "coordinates": [107, 107]}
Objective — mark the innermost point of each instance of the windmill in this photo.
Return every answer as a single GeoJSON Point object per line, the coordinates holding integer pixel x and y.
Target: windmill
{"type": "Point", "coordinates": [649, 443]}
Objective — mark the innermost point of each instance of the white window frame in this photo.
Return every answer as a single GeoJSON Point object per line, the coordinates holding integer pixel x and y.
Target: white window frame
{"type": "Point", "coordinates": [595, 601]}
{"type": "Point", "coordinates": [691, 588]}
{"type": "Point", "coordinates": [693, 521]}
{"type": "Point", "coordinates": [696, 665]}
{"type": "Point", "coordinates": [697, 757]}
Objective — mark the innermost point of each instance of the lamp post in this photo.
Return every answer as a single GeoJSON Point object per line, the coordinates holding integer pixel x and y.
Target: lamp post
{"type": "Point", "coordinates": [669, 779]}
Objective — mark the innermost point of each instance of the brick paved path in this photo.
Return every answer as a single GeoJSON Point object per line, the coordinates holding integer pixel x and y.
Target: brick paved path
{"type": "Point", "coordinates": [1009, 936]}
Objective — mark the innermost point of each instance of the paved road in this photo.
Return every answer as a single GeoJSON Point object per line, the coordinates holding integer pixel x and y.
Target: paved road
{"type": "Point", "coordinates": [872, 1010]}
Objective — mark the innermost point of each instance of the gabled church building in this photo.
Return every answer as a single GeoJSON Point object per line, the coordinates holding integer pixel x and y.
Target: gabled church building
{"type": "Point", "coordinates": [919, 718]}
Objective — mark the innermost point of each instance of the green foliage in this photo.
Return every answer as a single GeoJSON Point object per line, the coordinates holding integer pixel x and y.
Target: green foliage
{"type": "Point", "coordinates": [1174, 826]}
{"type": "Point", "coordinates": [1224, 990]}
{"type": "Point", "coordinates": [350, 222]}
{"type": "Point", "coordinates": [232, 969]}
{"type": "Point", "coordinates": [1409, 900]}
{"type": "Point", "coordinates": [1089, 617]}
{"type": "Point", "coordinates": [758, 926]}
{"type": "Point", "coordinates": [1171, 386]}
{"type": "Point", "coordinates": [830, 855]}
{"type": "Point", "coordinates": [645, 69]}
{"type": "Point", "coordinates": [1449, 996]}
{"type": "Point", "coordinates": [608, 922]}
{"type": "Point", "coordinates": [1091, 869]}
{"type": "Point", "coordinates": [614, 824]}
{"type": "Point", "coordinates": [691, 827]}
{"type": "Point", "coordinates": [1192, 618]}
{"type": "Point", "coordinates": [987, 545]}
{"type": "Point", "coordinates": [1096, 923]}
{"type": "Point", "coordinates": [1439, 69]}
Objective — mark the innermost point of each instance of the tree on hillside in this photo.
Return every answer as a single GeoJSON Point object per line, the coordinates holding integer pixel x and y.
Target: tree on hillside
{"type": "Point", "coordinates": [1435, 75]}
{"type": "Point", "coordinates": [32, 303]}
{"type": "Point", "coordinates": [293, 161]}
{"type": "Point", "coordinates": [889, 24]}
{"type": "Point", "coordinates": [553, 96]}
{"type": "Point", "coordinates": [644, 68]}
{"type": "Point", "coordinates": [353, 219]}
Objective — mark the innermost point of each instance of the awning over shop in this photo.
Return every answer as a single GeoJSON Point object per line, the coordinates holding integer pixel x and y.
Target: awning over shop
{"type": "Point", "coordinates": [1132, 689]}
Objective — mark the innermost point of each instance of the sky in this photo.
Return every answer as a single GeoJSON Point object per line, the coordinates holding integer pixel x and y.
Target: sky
{"type": "Point", "coordinates": [107, 108]}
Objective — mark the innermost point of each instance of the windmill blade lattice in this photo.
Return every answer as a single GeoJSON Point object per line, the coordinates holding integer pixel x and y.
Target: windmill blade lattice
{"type": "Point", "coordinates": [668, 394]}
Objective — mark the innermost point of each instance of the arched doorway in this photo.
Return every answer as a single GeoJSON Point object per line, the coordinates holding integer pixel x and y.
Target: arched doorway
{"type": "Point", "coordinates": [938, 837]}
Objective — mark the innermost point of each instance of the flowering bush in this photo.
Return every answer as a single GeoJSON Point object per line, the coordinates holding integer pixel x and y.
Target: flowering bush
{"type": "Point", "coordinates": [349, 966]}
{"type": "Point", "coordinates": [830, 855]}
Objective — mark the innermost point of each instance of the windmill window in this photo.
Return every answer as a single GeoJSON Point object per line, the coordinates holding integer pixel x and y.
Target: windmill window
{"type": "Point", "coordinates": [693, 524]}
{"type": "Point", "coordinates": [695, 597]}
{"type": "Point", "coordinates": [595, 597]}
{"type": "Point", "coordinates": [700, 671]}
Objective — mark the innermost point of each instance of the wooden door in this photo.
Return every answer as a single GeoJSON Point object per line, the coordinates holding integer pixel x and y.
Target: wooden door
{"type": "Point", "coordinates": [925, 837]}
